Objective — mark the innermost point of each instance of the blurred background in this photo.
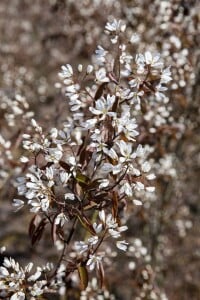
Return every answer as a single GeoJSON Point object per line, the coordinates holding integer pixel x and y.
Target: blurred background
{"type": "Point", "coordinates": [37, 37]}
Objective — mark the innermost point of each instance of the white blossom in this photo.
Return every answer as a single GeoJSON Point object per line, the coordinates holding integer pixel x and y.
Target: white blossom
{"type": "Point", "coordinates": [61, 219]}
{"type": "Point", "coordinates": [18, 203]}
{"type": "Point", "coordinates": [66, 72]}
{"type": "Point", "coordinates": [18, 296]}
{"type": "Point", "coordinates": [166, 76]}
{"type": "Point", "coordinates": [69, 196]}
{"type": "Point", "coordinates": [122, 245]}
{"type": "Point", "coordinates": [115, 25]}
{"type": "Point", "coordinates": [102, 107]}
{"type": "Point", "coordinates": [54, 154]}
{"type": "Point", "coordinates": [100, 54]}
{"type": "Point", "coordinates": [94, 261]}
{"type": "Point", "coordinates": [101, 76]}
{"type": "Point", "coordinates": [90, 68]}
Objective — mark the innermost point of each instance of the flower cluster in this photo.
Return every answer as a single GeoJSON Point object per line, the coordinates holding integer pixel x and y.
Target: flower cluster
{"type": "Point", "coordinates": [16, 281]}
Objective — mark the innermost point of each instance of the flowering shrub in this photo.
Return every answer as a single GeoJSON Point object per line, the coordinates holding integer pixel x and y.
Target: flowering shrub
{"type": "Point", "coordinates": [88, 172]}
{"type": "Point", "coordinates": [89, 180]}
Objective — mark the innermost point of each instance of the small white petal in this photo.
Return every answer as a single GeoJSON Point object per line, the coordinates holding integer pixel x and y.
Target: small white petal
{"type": "Point", "coordinates": [18, 296]}
{"type": "Point", "coordinates": [122, 245]}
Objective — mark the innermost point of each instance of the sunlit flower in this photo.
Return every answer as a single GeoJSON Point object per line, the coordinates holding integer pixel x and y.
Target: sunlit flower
{"type": "Point", "coordinates": [122, 245]}
{"type": "Point", "coordinates": [102, 107]}
{"type": "Point", "coordinates": [18, 203]}
{"type": "Point", "coordinates": [153, 60]}
{"type": "Point", "coordinates": [61, 219]}
{"type": "Point", "coordinates": [101, 75]}
{"type": "Point", "coordinates": [94, 261]}
{"type": "Point", "coordinates": [115, 25]}
{"type": "Point", "coordinates": [66, 72]}
{"type": "Point", "coordinates": [100, 54]}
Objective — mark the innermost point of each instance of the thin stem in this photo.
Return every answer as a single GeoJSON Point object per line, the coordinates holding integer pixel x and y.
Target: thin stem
{"type": "Point", "coordinates": [66, 243]}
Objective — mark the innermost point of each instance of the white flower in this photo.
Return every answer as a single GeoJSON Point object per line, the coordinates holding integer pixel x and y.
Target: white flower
{"type": "Point", "coordinates": [127, 126]}
{"type": "Point", "coordinates": [114, 233]}
{"type": "Point", "coordinates": [101, 75]}
{"type": "Point", "coordinates": [35, 276]}
{"type": "Point", "coordinates": [28, 268]}
{"type": "Point", "coordinates": [146, 167]}
{"type": "Point", "coordinates": [4, 272]}
{"type": "Point", "coordinates": [115, 169]}
{"type": "Point", "coordinates": [122, 245]}
{"type": "Point", "coordinates": [69, 196]}
{"type": "Point", "coordinates": [45, 204]}
{"type": "Point", "coordinates": [80, 68]}
{"type": "Point", "coordinates": [115, 26]}
{"type": "Point", "coordinates": [64, 177]}
{"type": "Point", "coordinates": [93, 240]}
{"type": "Point", "coordinates": [159, 89]}
{"type": "Point", "coordinates": [127, 189]}
{"type": "Point", "coordinates": [74, 102]}
{"type": "Point", "coordinates": [151, 176]}
{"type": "Point", "coordinates": [111, 153]}
{"type": "Point", "coordinates": [60, 219]}
{"type": "Point", "coordinates": [122, 228]}
{"type": "Point", "coordinates": [36, 126]}
{"type": "Point", "coordinates": [166, 76]}
{"type": "Point", "coordinates": [10, 263]}
{"type": "Point", "coordinates": [100, 55]}
{"type": "Point", "coordinates": [24, 159]}
{"type": "Point", "coordinates": [54, 133]}
{"type": "Point", "coordinates": [98, 228]}
{"type": "Point", "coordinates": [94, 261]}
{"type": "Point", "coordinates": [102, 216]}
{"type": "Point", "coordinates": [18, 296]}
{"type": "Point", "coordinates": [38, 288]}
{"type": "Point", "coordinates": [81, 247]}
{"type": "Point", "coordinates": [90, 123]}
{"type": "Point", "coordinates": [39, 204]}
{"type": "Point", "coordinates": [114, 39]}
{"type": "Point", "coordinates": [153, 60]}
{"type": "Point", "coordinates": [66, 72]}
{"type": "Point", "coordinates": [103, 183]}
{"type": "Point", "coordinates": [98, 143]}
{"type": "Point", "coordinates": [139, 186]}
{"type": "Point", "coordinates": [90, 68]}
{"type": "Point", "coordinates": [18, 203]}
{"type": "Point", "coordinates": [71, 160]}
{"type": "Point", "coordinates": [59, 245]}
{"type": "Point", "coordinates": [148, 59]}
{"type": "Point", "coordinates": [140, 151]}
{"type": "Point", "coordinates": [102, 107]}
{"type": "Point", "coordinates": [54, 155]}
{"type": "Point", "coordinates": [135, 38]}
{"type": "Point", "coordinates": [49, 173]}
{"type": "Point", "coordinates": [126, 151]}
{"type": "Point", "coordinates": [108, 220]}
{"type": "Point", "coordinates": [31, 146]}
{"type": "Point", "coordinates": [140, 61]}
{"type": "Point", "coordinates": [109, 223]}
